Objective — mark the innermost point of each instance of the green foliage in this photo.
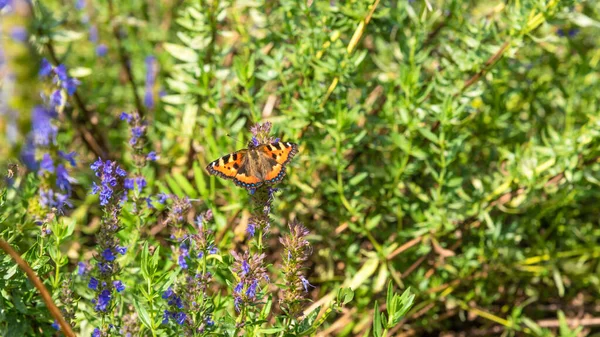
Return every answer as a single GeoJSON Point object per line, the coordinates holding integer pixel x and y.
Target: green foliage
{"type": "Point", "coordinates": [449, 147]}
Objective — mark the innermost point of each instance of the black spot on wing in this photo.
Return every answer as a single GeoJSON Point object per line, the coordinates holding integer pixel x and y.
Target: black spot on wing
{"type": "Point", "coordinates": [242, 169]}
{"type": "Point", "coordinates": [226, 158]}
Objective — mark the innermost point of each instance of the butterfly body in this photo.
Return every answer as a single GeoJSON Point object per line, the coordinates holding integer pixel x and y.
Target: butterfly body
{"type": "Point", "coordinates": [251, 168]}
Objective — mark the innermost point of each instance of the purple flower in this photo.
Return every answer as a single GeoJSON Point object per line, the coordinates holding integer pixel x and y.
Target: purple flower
{"type": "Point", "coordinates": [166, 315]}
{"type": "Point", "coordinates": [152, 156]}
{"type": "Point", "coordinates": [93, 284]}
{"type": "Point", "coordinates": [19, 34]}
{"type": "Point", "coordinates": [255, 141]}
{"type": "Point", "coordinates": [121, 250]}
{"type": "Point", "coordinates": [125, 116]}
{"type": "Point", "coordinates": [49, 199]}
{"type": "Point", "coordinates": [118, 286]}
{"type": "Point", "coordinates": [61, 72]}
{"type": "Point", "coordinates": [105, 196]}
{"type": "Point", "coordinates": [95, 188]}
{"type": "Point", "coordinates": [63, 180]}
{"type": "Point", "coordinates": [43, 131]}
{"type": "Point", "coordinates": [96, 165]}
{"type": "Point", "coordinates": [209, 321]}
{"type": "Point", "coordinates": [80, 4]}
{"type": "Point", "coordinates": [56, 98]}
{"type": "Point", "coordinates": [4, 3]}
{"type": "Point", "coordinates": [103, 300]}
{"type": "Point", "coordinates": [108, 255]}
{"type": "Point", "coordinates": [96, 333]}
{"type": "Point", "coordinates": [149, 98]}
{"type": "Point", "coordinates": [175, 301]}
{"type": "Point", "coordinates": [168, 293]}
{"type": "Point", "coordinates": [93, 34]}
{"type": "Point", "coordinates": [180, 318]}
{"type": "Point", "coordinates": [183, 253]}
{"type": "Point", "coordinates": [136, 133]}
{"type": "Point", "coordinates": [55, 325]}
{"type": "Point", "coordinates": [81, 268]}
{"type": "Point", "coordinates": [149, 203]}
{"type": "Point", "coordinates": [573, 32]}
{"type": "Point", "coordinates": [150, 70]}
{"type": "Point", "coordinates": [101, 50]}
{"type": "Point", "coordinates": [239, 287]}
{"type": "Point", "coordinates": [141, 183]}
{"type": "Point", "coordinates": [251, 291]}
{"type": "Point", "coordinates": [106, 172]}
{"type": "Point", "coordinates": [120, 172]}
{"type": "Point", "coordinates": [251, 230]}
{"type": "Point", "coordinates": [28, 155]}
{"type": "Point", "coordinates": [70, 157]}
{"type": "Point", "coordinates": [245, 267]}
{"type": "Point", "coordinates": [71, 85]}
{"type": "Point", "coordinates": [45, 68]}
{"type": "Point", "coordinates": [46, 164]}
{"type": "Point", "coordinates": [162, 198]}
{"type": "Point", "coordinates": [305, 283]}
{"type": "Point", "coordinates": [104, 267]}
{"type": "Point", "coordinates": [128, 184]}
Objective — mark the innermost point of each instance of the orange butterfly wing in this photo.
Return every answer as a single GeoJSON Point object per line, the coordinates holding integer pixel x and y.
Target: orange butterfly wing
{"type": "Point", "coordinates": [282, 153]}
{"type": "Point", "coordinates": [230, 167]}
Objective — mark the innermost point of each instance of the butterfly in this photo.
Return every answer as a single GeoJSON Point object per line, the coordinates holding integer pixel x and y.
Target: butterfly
{"type": "Point", "coordinates": [257, 165]}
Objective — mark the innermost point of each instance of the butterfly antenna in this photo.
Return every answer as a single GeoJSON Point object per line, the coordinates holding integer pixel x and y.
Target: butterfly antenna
{"type": "Point", "coordinates": [237, 140]}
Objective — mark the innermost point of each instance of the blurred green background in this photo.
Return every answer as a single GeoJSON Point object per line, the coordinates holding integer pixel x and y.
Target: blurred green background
{"type": "Point", "coordinates": [449, 146]}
